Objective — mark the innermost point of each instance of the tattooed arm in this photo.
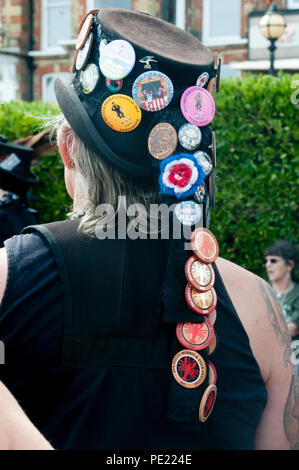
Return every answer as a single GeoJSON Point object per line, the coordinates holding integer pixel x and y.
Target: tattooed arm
{"type": "Point", "coordinates": [279, 426]}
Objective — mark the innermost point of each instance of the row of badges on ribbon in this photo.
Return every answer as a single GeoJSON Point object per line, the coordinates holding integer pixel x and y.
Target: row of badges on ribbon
{"type": "Point", "coordinates": [189, 368]}
{"type": "Point", "coordinates": [151, 91]}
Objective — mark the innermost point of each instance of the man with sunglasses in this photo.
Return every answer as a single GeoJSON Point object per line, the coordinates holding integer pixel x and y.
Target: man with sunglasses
{"type": "Point", "coordinates": [280, 261]}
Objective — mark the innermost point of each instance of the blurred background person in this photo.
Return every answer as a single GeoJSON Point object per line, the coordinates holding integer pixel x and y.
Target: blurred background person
{"type": "Point", "coordinates": [281, 260]}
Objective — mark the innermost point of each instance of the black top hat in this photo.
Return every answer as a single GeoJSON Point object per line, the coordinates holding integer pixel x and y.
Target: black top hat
{"type": "Point", "coordinates": [159, 46]}
{"type": "Point", "coordinates": [15, 175]}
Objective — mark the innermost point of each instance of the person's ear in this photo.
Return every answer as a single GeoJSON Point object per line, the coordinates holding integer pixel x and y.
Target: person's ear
{"type": "Point", "coordinates": [62, 141]}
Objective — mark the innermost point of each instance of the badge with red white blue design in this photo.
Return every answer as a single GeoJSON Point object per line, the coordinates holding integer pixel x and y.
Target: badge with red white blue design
{"type": "Point", "coordinates": [152, 90]}
{"type": "Point", "coordinates": [180, 175]}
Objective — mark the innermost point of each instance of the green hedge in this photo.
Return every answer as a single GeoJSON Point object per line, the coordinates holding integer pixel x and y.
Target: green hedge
{"type": "Point", "coordinates": [257, 134]}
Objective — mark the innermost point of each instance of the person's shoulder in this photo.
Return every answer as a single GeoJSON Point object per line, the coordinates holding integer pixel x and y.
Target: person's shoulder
{"type": "Point", "coordinates": [258, 309]}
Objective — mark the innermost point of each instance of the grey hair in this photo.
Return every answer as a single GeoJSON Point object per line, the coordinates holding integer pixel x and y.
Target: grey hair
{"type": "Point", "coordinates": [99, 182]}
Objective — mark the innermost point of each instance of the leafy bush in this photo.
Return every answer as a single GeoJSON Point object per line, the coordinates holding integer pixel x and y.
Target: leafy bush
{"type": "Point", "coordinates": [257, 165]}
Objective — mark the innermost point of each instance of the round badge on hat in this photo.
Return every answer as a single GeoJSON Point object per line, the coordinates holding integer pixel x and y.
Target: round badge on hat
{"type": "Point", "coordinates": [195, 336]}
{"type": "Point", "coordinates": [117, 59]}
{"type": "Point", "coordinates": [212, 374]}
{"type": "Point", "coordinates": [162, 140]}
{"type": "Point", "coordinates": [84, 32]}
{"type": "Point", "coordinates": [200, 193]}
{"type": "Point", "coordinates": [200, 275]}
{"type": "Point", "coordinates": [83, 53]}
{"type": "Point", "coordinates": [90, 78]}
{"type": "Point", "coordinates": [207, 403]}
{"type": "Point", "coordinates": [204, 245]}
{"type": "Point", "coordinates": [202, 79]}
{"type": "Point", "coordinates": [121, 113]}
{"type": "Point", "coordinates": [152, 90]}
{"type": "Point", "coordinates": [205, 161]}
{"type": "Point", "coordinates": [207, 212]}
{"type": "Point", "coordinates": [114, 85]}
{"type": "Point", "coordinates": [189, 136]}
{"type": "Point", "coordinates": [189, 369]}
{"type": "Point", "coordinates": [198, 106]}
{"type": "Point", "coordinates": [188, 212]}
{"type": "Point", "coordinates": [201, 302]}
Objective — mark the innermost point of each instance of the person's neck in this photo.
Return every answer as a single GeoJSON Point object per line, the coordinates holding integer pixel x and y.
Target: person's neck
{"type": "Point", "coordinates": [282, 286]}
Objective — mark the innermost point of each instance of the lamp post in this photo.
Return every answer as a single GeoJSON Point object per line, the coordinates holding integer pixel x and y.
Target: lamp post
{"type": "Point", "coordinates": [272, 26]}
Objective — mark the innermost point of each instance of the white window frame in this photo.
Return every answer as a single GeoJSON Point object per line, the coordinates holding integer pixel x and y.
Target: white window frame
{"type": "Point", "coordinates": [180, 11]}
{"type": "Point", "coordinates": [44, 34]}
{"type": "Point", "coordinates": [293, 5]}
{"type": "Point", "coordinates": [220, 40]}
{"type": "Point", "coordinates": [8, 84]}
{"type": "Point", "coordinates": [52, 75]}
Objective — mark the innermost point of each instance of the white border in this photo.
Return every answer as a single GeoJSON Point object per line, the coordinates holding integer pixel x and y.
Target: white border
{"type": "Point", "coordinates": [221, 40]}
{"type": "Point", "coordinates": [44, 23]}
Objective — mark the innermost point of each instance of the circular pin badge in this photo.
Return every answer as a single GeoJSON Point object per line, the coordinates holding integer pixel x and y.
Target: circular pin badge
{"type": "Point", "coordinates": [212, 87]}
{"type": "Point", "coordinates": [189, 369]}
{"type": "Point", "coordinates": [198, 106]}
{"type": "Point", "coordinates": [205, 161]}
{"type": "Point", "coordinates": [189, 136]}
{"type": "Point", "coordinates": [213, 317]}
{"type": "Point", "coordinates": [212, 374]}
{"type": "Point", "coordinates": [188, 212]}
{"type": "Point", "coordinates": [207, 403]}
{"type": "Point", "coordinates": [200, 193]}
{"type": "Point", "coordinates": [152, 90]}
{"type": "Point", "coordinates": [83, 53]}
{"type": "Point", "coordinates": [90, 78]}
{"type": "Point", "coordinates": [114, 85]}
{"type": "Point", "coordinates": [121, 113]}
{"type": "Point", "coordinates": [103, 44]}
{"type": "Point", "coordinates": [202, 79]}
{"type": "Point", "coordinates": [213, 345]}
{"type": "Point", "coordinates": [207, 213]}
{"type": "Point", "coordinates": [200, 275]}
{"type": "Point", "coordinates": [162, 140]}
{"type": "Point", "coordinates": [117, 59]}
{"type": "Point", "coordinates": [201, 302]}
{"type": "Point", "coordinates": [195, 336]}
{"type": "Point", "coordinates": [84, 32]}
{"type": "Point", "coordinates": [204, 245]}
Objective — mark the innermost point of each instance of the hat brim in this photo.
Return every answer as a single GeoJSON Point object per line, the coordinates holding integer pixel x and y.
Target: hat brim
{"type": "Point", "coordinates": [79, 120]}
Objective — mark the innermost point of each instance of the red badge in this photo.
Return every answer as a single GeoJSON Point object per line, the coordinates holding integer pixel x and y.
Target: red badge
{"type": "Point", "coordinates": [204, 245]}
{"type": "Point", "coordinates": [201, 302]}
{"type": "Point", "coordinates": [195, 336]}
{"type": "Point", "coordinates": [212, 374]}
{"type": "Point", "coordinates": [200, 275]}
{"type": "Point", "coordinates": [213, 345]}
{"type": "Point", "coordinates": [207, 403]}
{"type": "Point", "coordinates": [189, 369]}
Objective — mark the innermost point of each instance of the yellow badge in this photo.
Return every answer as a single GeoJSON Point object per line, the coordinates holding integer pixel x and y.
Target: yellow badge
{"type": "Point", "coordinates": [121, 113]}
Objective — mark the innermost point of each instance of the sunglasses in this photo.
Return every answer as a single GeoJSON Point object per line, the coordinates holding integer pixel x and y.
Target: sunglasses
{"type": "Point", "coordinates": [272, 260]}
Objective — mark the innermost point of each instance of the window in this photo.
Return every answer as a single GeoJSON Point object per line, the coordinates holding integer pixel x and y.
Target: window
{"type": "Point", "coordinates": [8, 78]}
{"type": "Point", "coordinates": [91, 4]}
{"type": "Point", "coordinates": [48, 85]}
{"type": "Point", "coordinates": [56, 20]}
{"type": "Point", "coordinates": [221, 22]}
{"type": "Point", "coordinates": [293, 4]}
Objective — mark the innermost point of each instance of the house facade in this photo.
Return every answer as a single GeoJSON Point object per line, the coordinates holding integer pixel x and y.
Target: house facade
{"type": "Point", "coordinates": [37, 38]}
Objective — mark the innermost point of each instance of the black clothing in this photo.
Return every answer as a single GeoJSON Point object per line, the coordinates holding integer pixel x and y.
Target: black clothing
{"type": "Point", "coordinates": [89, 363]}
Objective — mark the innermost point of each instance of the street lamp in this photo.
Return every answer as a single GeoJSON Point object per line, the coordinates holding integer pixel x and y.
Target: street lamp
{"type": "Point", "coordinates": [272, 26]}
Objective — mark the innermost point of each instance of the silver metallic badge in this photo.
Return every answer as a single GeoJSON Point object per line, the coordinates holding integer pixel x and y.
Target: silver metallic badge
{"type": "Point", "coordinates": [205, 161]}
{"type": "Point", "coordinates": [189, 136]}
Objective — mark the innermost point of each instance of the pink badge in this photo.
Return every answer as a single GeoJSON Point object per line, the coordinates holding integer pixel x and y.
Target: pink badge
{"type": "Point", "coordinates": [198, 106]}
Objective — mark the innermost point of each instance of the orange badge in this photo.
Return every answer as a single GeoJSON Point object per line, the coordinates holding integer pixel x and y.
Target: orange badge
{"type": "Point", "coordinates": [207, 403]}
{"type": "Point", "coordinates": [84, 32]}
{"type": "Point", "coordinates": [195, 336]}
{"type": "Point", "coordinates": [121, 113]}
{"type": "Point", "coordinates": [200, 275]}
{"type": "Point", "coordinates": [201, 302]}
{"type": "Point", "coordinates": [189, 369]}
{"type": "Point", "coordinates": [204, 245]}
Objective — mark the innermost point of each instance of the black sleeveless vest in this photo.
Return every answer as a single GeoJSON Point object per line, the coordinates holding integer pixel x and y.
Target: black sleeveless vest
{"type": "Point", "coordinates": [121, 355]}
